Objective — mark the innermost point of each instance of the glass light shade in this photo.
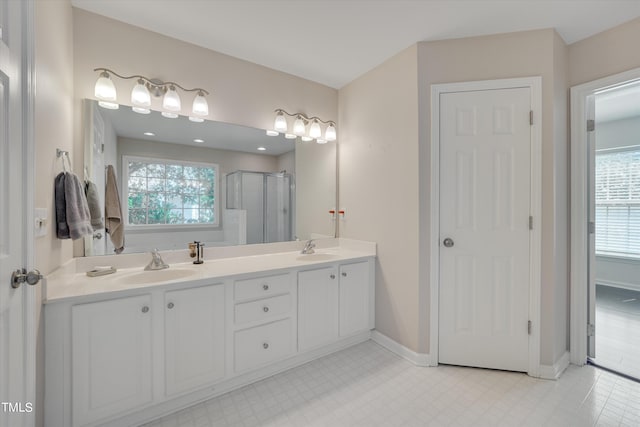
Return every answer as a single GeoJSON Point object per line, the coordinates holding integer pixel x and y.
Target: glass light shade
{"type": "Point", "coordinates": [280, 123]}
{"type": "Point", "coordinates": [109, 105]}
{"type": "Point", "coordinates": [169, 115]}
{"type": "Point", "coordinates": [321, 141]}
{"type": "Point", "coordinates": [290, 136]}
{"type": "Point", "coordinates": [306, 138]}
{"type": "Point", "coordinates": [330, 133]}
{"type": "Point", "coordinates": [200, 105]}
{"type": "Point", "coordinates": [314, 130]}
{"type": "Point", "coordinates": [299, 127]}
{"type": "Point", "coordinates": [272, 132]}
{"type": "Point", "coordinates": [140, 95]}
{"type": "Point", "coordinates": [105, 89]}
{"type": "Point", "coordinates": [196, 119]}
{"type": "Point", "coordinates": [171, 100]}
{"type": "Point", "coordinates": [141, 110]}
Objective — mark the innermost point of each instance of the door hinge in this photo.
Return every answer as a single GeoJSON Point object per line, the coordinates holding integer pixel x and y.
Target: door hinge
{"type": "Point", "coordinates": [591, 125]}
{"type": "Point", "coordinates": [530, 222]}
{"type": "Point", "coordinates": [531, 117]}
{"type": "Point", "coordinates": [591, 330]}
{"type": "Point", "coordinates": [592, 227]}
{"type": "Point", "coordinates": [529, 327]}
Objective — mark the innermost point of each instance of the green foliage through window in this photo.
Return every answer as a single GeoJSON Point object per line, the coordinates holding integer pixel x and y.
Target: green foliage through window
{"type": "Point", "coordinates": [170, 192]}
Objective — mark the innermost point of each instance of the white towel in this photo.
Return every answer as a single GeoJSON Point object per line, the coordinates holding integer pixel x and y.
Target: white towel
{"type": "Point", "coordinates": [113, 211]}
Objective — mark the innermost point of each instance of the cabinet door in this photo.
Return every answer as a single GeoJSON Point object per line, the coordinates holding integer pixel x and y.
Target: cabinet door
{"type": "Point", "coordinates": [317, 307]}
{"type": "Point", "coordinates": [111, 353]}
{"type": "Point", "coordinates": [354, 298]}
{"type": "Point", "coordinates": [194, 337]}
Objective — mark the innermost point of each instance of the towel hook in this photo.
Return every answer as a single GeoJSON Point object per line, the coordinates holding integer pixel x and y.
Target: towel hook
{"type": "Point", "coordinates": [64, 155]}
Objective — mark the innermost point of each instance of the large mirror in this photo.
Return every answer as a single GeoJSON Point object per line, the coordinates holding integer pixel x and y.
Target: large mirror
{"type": "Point", "coordinates": [218, 183]}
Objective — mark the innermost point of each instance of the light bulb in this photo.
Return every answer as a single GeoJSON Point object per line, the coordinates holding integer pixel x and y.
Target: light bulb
{"type": "Point", "coordinates": [196, 119]}
{"type": "Point", "coordinates": [298, 126]}
{"type": "Point", "coordinates": [169, 115]}
{"type": "Point", "coordinates": [289, 136]}
{"type": "Point", "coordinates": [321, 141]}
{"type": "Point", "coordinates": [141, 110]}
{"type": "Point", "coordinates": [105, 89]}
{"type": "Point", "coordinates": [200, 105]}
{"type": "Point", "coordinates": [272, 132]}
{"type": "Point", "coordinates": [306, 138]}
{"type": "Point", "coordinates": [171, 100]}
{"type": "Point", "coordinates": [140, 95]}
{"type": "Point", "coordinates": [280, 123]}
{"type": "Point", "coordinates": [330, 133]}
{"type": "Point", "coordinates": [108, 105]}
{"type": "Point", "coordinates": [314, 130]}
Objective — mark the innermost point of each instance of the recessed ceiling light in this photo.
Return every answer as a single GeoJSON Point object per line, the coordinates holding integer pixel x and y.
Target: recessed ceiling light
{"type": "Point", "coordinates": [261, 149]}
{"type": "Point", "coordinates": [150, 134]}
{"type": "Point", "coordinates": [198, 140]}
{"type": "Point", "coordinates": [272, 132]}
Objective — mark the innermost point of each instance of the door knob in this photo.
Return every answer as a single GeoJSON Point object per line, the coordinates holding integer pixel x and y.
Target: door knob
{"type": "Point", "coordinates": [21, 276]}
{"type": "Point", "coordinates": [448, 242]}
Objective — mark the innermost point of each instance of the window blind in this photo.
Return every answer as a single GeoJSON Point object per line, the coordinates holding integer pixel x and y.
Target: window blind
{"type": "Point", "coordinates": [617, 200]}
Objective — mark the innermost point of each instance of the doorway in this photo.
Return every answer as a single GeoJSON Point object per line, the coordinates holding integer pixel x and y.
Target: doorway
{"type": "Point", "coordinates": [605, 228]}
{"type": "Point", "coordinates": [485, 201]}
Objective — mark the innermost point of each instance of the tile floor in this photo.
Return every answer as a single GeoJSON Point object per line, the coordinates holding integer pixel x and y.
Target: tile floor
{"type": "Point", "coordinates": [366, 385]}
{"type": "Point", "coordinates": [617, 329]}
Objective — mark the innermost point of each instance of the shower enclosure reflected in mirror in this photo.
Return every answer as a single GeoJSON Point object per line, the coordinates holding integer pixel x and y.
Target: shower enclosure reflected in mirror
{"type": "Point", "coordinates": [219, 183]}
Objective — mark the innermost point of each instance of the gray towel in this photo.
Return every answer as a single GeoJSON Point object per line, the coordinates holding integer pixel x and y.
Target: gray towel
{"type": "Point", "coordinates": [62, 229]}
{"type": "Point", "coordinates": [93, 200]}
{"type": "Point", "coordinates": [113, 211]}
{"type": "Point", "coordinates": [78, 217]}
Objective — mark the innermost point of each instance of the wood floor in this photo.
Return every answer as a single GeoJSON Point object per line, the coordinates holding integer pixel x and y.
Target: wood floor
{"type": "Point", "coordinates": [618, 330]}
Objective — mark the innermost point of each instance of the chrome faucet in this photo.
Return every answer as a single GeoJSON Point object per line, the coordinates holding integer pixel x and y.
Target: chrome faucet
{"type": "Point", "coordinates": [156, 262]}
{"type": "Point", "coordinates": [308, 247]}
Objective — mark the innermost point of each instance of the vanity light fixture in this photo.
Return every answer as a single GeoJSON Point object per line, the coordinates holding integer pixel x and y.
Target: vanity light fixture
{"type": "Point", "coordinates": [300, 127]}
{"type": "Point", "coordinates": [144, 89]}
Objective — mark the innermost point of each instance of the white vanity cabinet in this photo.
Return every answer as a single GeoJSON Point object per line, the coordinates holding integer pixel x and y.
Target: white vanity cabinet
{"type": "Point", "coordinates": [194, 337]}
{"type": "Point", "coordinates": [126, 357]}
{"type": "Point", "coordinates": [112, 357]}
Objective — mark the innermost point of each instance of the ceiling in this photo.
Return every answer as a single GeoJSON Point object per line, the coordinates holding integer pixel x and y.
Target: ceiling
{"type": "Point", "coordinates": [335, 41]}
{"type": "Point", "coordinates": [618, 103]}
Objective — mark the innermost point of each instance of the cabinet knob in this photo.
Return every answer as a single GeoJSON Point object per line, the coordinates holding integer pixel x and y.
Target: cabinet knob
{"type": "Point", "coordinates": [333, 276]}
{"type": "Point", "coordinates": [265, 345]}
{"type": "Point", "coordinates": [145, 309]}
{"type": "Point", "coordinates": [265, 287]}
{"type": "Point", "coordinates": [170, 305]}
{"type": "Point", "coordinates": [265, 309]}
{"type": "Point", "coordinates": [344, 274]}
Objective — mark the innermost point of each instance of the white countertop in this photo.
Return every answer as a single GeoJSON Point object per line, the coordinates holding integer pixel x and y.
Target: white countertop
{"type": "Point", "coordinates": [71, 281]}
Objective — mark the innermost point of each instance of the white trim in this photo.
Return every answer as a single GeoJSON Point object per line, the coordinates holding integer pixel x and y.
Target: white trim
{"type": "Point", "coordinates": [553, 372]}
{"type": "Point", "coordinates": [28, 77]}
{"type": "Point", "coordinates": [535, 86]}
{"type": "Point", "coordinates": [418, 359]}
{"type": "Point", "coordinates": [580, 211]}
{"type": "Point", "coordinates": [615, 284]}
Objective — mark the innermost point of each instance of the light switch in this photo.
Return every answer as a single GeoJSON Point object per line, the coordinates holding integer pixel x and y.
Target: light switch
{"type": "Point", "coordinates": [41, 222]}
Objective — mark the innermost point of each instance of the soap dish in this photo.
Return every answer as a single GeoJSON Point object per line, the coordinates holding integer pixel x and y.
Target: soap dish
{"type": "Point", "coordinates": [101, 272]}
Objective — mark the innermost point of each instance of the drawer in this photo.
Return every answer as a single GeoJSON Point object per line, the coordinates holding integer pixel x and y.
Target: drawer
{"type": "Point", "coordinates": [263, 344]}
{"type": "Point", "coordinates": [261, 287]}
{"type": "Point", "coordinates": [262, 309]}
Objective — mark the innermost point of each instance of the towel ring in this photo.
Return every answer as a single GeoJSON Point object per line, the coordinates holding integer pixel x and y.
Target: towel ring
{"type": "Point", "coordinates": [64, 155]}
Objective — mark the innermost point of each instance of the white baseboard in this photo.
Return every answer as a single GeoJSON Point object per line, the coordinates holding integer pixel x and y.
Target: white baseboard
{"type": "Point", "coordinates": [553, 372]}
{"type": "Point", "coordinates": [418, 359]}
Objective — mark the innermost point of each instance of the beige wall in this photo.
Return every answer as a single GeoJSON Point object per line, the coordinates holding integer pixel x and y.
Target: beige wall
{"type": "Point", "coordinates": [53, 129]}
{"type": "Point", "coordinates": [610, 52]}
{"type": "Point", "coordinates": [378, 185]}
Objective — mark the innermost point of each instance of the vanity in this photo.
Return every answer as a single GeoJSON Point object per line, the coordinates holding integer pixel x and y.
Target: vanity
{"type": "Point", "coordinates": [129, 347]}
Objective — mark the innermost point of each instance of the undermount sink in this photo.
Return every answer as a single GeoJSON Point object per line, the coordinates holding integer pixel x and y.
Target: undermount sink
{"type": "Point", "coordinates": [151, 276]}
{"type": "Point", "coordinates": [317, 257]}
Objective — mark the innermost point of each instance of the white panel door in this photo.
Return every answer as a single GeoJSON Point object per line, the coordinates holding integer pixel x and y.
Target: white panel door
{"type": "Point", "coordinates": [111, 353]}
{"type": "Point", "coordinates": [16, 410]}
{"type": "Point", "coordinates": [317, 307]}
{"type": "Point", "coordinates": [194, 337]}
{"type": "Point", "coordinates": [484, 228]}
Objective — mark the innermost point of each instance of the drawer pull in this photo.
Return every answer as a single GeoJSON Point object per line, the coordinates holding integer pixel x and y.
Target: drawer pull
{"type": "Point", "coordinates": [265, 345]}
{"type": "Point", "coordinates": [265, 287]}
{"type": "Point", "coordinates": [145, 309]}
{"type": "Point", "coordinates": [265, 309]}
{"type": "Point", "coordinates": [333, 276]}
{"type": "Point", "coordinates": [344, 274]}
{"type": "Point", "coordinates": [170, 305]}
